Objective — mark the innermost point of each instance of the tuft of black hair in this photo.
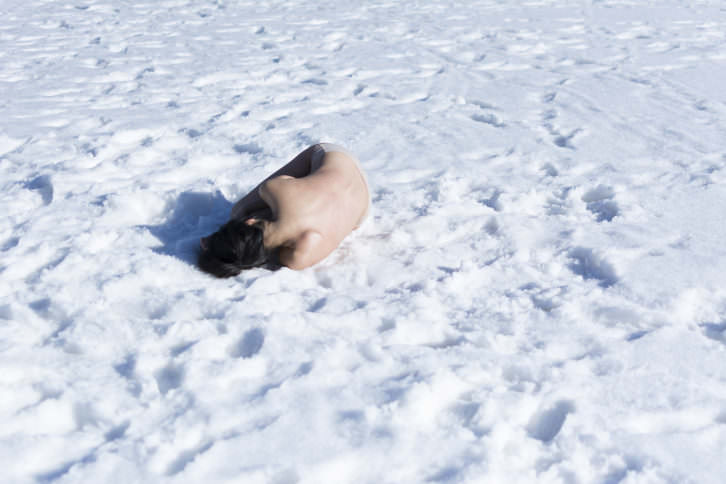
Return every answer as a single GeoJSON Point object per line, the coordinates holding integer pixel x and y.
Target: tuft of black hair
{"type": "Point", "coordinates": [236, 246]}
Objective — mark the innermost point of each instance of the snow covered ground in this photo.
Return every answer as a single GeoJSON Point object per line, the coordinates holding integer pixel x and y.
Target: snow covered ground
{"type": "Point", "coordinates": [539, 297]}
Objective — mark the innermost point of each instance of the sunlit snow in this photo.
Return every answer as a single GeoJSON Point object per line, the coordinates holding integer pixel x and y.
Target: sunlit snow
{"type": "Point", "coordinates": [538, 297]}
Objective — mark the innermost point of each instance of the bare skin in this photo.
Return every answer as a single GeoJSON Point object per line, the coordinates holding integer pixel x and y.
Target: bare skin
{"type": "Point", "coordinates": [306, 210]}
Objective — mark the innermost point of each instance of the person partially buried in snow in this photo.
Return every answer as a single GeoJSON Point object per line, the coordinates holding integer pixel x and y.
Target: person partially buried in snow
{"type": "Point", "coordinates": [296, 217]}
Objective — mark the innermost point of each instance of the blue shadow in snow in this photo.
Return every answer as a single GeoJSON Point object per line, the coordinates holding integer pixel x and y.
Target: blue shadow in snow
{"type": "Point", "coordinates": [195, 215]}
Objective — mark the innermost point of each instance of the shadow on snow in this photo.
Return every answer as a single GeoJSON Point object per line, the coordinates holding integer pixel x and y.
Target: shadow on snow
{"type": "Point", "coordinates": [194, 215]}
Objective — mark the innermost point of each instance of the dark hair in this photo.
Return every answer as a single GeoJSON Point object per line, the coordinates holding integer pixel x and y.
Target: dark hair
{"type": "Point", "coordinates": [234, 247]}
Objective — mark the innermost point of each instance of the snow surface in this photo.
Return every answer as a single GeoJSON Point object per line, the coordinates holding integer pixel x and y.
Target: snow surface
{"type": "Point", "coordinates": [539, 297]}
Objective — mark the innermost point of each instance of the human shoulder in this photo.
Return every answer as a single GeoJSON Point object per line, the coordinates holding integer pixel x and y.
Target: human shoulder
{"type": "Point", "coordinates": [274, 183]}
{"type": "Point", "coordinates": [272, 190]}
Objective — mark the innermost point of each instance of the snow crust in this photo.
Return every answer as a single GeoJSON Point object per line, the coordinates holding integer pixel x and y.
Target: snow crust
{"type": "Point", "coordinates": [540, 295]}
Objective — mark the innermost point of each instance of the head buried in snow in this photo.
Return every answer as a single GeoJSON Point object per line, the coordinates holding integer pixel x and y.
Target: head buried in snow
{"type": "Point", "coordinates": [234, 247]}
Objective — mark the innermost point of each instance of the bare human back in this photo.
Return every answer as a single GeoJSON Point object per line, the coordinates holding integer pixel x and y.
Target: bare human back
{"type": "Point", "coordinates": [296, 217]}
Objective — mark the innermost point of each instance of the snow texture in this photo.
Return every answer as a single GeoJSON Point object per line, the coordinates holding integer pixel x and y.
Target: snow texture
{"type": "Point", "coordinates": [540, 295]}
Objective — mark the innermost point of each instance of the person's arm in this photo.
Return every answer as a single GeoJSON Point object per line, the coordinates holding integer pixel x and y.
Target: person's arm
{"type": "Point", "coordinates": [298, 167]}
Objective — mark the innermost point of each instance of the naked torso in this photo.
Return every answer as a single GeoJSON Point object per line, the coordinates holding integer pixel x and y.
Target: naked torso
{"type": "Point", "coordinates": [313, 213]}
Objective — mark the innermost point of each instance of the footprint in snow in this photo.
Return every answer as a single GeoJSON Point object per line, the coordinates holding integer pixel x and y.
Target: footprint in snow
{"type": "Point", "coordinates": [127, 370]}
{"type": "Point", "coordinates": [304, 369]}
{"type": "Point", "coordinates": [9, 244]}
{"type": "Point", "coordinates": [117, 431]}
{"type": "Point", "coordinates": [251, 148]}
{"type": "Point", "coordinates": [600, 201]}
{"type": "Point", "coordinates": [169, 378]}
{"type": "Point", "coordinates": [550, 170]}
{"type": "Point", "coordinates": [186, 457]}
{"type": "Point", "coordinates": [180, 348]}
{"type": "Point", "coordinates": [636, 335]}
{"type": "Point", "coordinates": [447, 474]}
{"type": "Point", "coordinates": [488, 118]}
{"type": "Point", "coordinates": [489, 197]}
{"type": "Point", "coordinates": [249, 345]}
{"type": "Point", "coordinates": [466, 413]}
{"type": "Point", "coordinates": [715, 331]}
{"type": "Point", "coordinates": [565, 141]}
{"type": "Point", "coordinates": [585, 263]}
{"type": "Point", "coordinates": [492, 226]}
{"type": "Point", "coordinates": [545, 425]}
{"type": "Point", "coordinates": [191, 132]}
{"type": "Point", "coordinates": [43, 186]}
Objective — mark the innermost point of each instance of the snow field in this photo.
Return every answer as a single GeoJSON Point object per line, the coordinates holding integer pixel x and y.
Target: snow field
{"type": "Point", "coordinates": [539, 296]}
